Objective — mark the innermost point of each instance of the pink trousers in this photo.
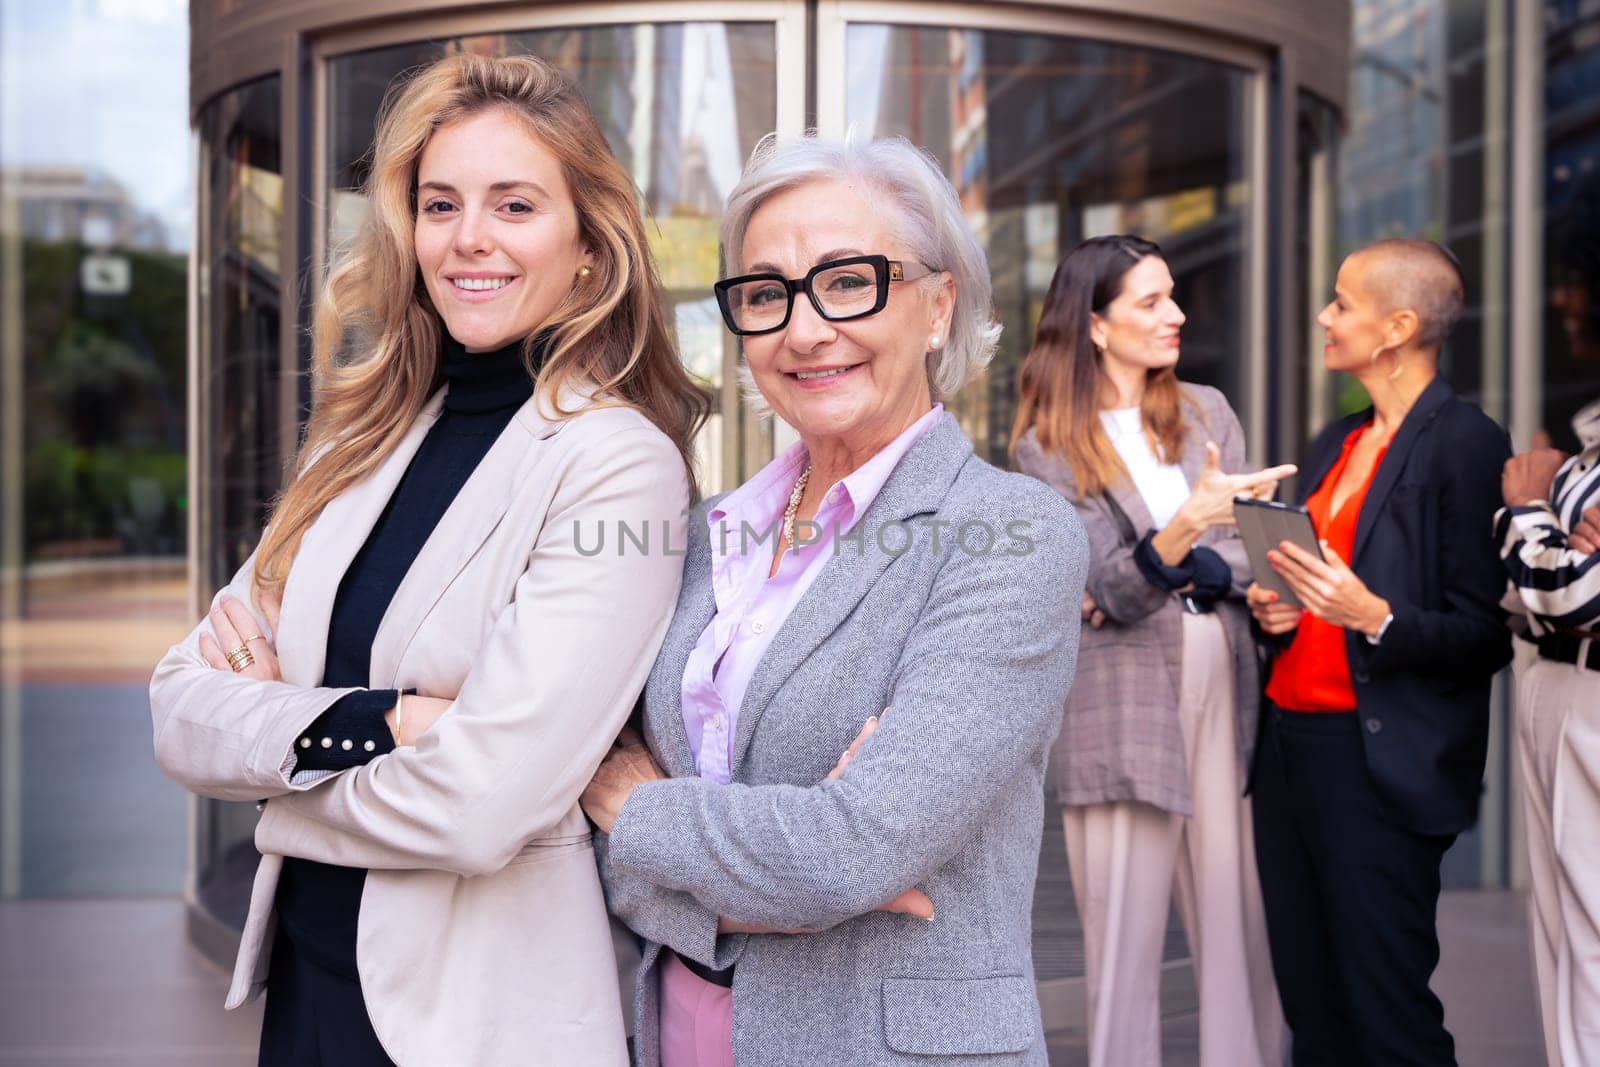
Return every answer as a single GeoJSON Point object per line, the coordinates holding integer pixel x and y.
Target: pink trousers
{"type": "Point", "coordinates": [696, 1018]}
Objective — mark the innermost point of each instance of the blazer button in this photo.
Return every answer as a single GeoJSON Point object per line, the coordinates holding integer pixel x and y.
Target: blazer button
{"type": "Point", "coordinates": [1374, 725]}
{"type": "Point", "coordinates": [1361, 676]}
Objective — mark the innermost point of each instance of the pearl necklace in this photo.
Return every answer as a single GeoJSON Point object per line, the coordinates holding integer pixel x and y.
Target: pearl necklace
{"type": "Point", "coordinates": [794, 503]}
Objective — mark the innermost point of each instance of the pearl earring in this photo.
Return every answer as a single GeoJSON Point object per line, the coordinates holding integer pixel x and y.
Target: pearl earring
{"type": "Point", "coordinates": [933, 342]}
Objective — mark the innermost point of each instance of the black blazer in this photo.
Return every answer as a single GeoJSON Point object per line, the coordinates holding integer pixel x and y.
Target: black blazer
{"type": "Point", "coordinates": [1424, 543]}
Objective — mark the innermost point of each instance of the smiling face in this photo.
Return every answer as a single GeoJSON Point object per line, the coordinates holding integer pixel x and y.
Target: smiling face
{"type": "Point", "coordinates": [1140, 328]}
{"type": "Point", "coordinates": [497, 233]}
{"type": "Point", "coordinates": [854, 384]}
{"type": "Point", "coordinates": [1354, 323]}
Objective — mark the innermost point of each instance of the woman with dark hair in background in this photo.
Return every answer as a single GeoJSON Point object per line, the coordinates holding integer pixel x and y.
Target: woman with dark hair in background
{"type": "Point", "coordinates": [1151, 761]}
{"type": "Point", "coordinates": [450, 665]}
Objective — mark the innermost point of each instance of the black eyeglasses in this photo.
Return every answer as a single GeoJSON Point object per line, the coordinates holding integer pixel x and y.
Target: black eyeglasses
{"type": "Point", "coordinates": [840, 290]}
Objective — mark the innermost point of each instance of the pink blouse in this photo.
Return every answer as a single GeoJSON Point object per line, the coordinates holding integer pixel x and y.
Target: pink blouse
{"type": "Point", "coordinates": [751, 607]}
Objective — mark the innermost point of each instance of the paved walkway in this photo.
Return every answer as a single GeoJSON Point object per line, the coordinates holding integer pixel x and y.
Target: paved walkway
{"type": "Point", "coordinates": [95, 983]}
{"type": "Point", "coordinates": [104, 622]}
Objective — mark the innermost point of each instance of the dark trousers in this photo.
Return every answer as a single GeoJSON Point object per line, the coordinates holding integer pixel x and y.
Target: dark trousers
{"type": "Point", "coordinates": [1350, 900]}
{"type": "Point", "coordinates": [315, 1016]}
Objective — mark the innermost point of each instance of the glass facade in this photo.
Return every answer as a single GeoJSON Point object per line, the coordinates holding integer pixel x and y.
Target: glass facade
{"type": "Point", "coordinates": [1096, 138]}
{"type": "Point", "coordinates": [239, 394]}
{"type": "Point", "coordinates": [1571, 194]}
{"type": "Point", "coordinates": [1427, 155]}
{"type": "Point", "coordinates": [94, 280]}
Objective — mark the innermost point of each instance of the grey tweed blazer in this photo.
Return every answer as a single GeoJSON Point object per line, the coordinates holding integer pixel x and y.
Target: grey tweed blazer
{"type": "Point", "coordinates": [966, 654]}
{"type": "Point", "coordinates": [1121, 739]}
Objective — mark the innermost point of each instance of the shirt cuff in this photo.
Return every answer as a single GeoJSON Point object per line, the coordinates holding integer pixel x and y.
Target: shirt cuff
{"type": "Point", "coordinates": [350, 733]}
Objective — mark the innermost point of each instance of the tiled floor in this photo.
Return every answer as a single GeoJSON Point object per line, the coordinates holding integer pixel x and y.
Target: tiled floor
{"type": "Point", "coordinates": [1485, 979]}
{"type": "Point", "coordinates": [107, 982]}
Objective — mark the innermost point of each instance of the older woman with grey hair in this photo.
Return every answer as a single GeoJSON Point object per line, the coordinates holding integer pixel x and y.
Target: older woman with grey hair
{"type": "Point", "coordinates": [877, 591]}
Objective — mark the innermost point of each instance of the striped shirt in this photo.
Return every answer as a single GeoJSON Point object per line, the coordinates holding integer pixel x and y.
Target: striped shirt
{"type": "Point", "coordinates": [1559, 586]}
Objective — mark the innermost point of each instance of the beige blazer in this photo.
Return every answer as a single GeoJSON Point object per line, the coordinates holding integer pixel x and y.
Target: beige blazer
{"type": "Point", "coordinates": [483, 936]}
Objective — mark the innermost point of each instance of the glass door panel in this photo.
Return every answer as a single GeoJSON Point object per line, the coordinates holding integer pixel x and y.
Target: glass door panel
{"type": "Point", "coordinates": [1050, 140]}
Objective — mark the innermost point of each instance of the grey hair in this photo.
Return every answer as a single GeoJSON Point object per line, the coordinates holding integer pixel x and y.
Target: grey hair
{"type": "Point", "coordinates": [926, 216]}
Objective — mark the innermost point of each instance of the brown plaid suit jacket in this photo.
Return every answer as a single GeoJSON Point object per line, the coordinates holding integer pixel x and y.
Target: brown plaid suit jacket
{"type": "Point", "coordinates": [1120, 738]}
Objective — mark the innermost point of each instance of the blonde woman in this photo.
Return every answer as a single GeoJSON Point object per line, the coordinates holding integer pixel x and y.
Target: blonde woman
{"type": "Point", "coordinates": [448, 666]}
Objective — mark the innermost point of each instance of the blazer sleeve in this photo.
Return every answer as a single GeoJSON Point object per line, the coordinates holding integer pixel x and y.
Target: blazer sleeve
{"type": "Point", "coordinates": [977, 695]}
{"type": "Point", "coordinates": [1466, 634]}
{"type": "Point", "coordinates": [668, 917]}
{"type": "Point", "coordinates": [553, 684]}
{"type": "Point", "coordinates": [1118, 586]}
{"type": "Point", "coordinates": [223, 735]}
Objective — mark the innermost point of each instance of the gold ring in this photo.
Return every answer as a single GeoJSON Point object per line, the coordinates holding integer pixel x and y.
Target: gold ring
{"type": "Point", "coordinates": [239, 658]}
{"type": "Point", "coordinates": [257, 637]}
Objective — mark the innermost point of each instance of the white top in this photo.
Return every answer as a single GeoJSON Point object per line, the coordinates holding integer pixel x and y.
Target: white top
{"type": "Point", "coordinates": [1162, 485]}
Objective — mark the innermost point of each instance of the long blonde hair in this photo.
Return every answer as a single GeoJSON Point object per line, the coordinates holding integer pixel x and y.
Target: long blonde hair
{"type": "Point", "coordinates": [610, 330]}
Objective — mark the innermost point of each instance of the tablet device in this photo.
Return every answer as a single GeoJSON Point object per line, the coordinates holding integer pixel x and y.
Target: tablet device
{"type": "Point", "coordinates": [1263, 525]}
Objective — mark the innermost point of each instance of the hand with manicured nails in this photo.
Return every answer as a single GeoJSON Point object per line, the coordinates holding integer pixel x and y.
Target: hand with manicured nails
{"type": "Point", "coordinates": [1328, 588]}
{"type": "Point", "coordinates": [235, 625]}
{"type": "Point", "coordinates": [1270, 612]}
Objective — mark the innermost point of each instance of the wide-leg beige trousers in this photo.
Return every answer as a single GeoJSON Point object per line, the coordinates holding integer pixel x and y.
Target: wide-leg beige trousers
{"type": "Point", "coordinates": [1126, 860]}
{"type": "Point", "coordinates": [1558, 725]}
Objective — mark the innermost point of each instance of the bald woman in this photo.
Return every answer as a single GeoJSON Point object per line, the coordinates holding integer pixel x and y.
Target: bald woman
{"type": "Point", "coordinates": [1376, 722]}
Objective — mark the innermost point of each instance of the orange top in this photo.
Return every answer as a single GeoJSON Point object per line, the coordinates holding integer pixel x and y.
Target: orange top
{"type": "Point", "coordinates": [1313, 674]}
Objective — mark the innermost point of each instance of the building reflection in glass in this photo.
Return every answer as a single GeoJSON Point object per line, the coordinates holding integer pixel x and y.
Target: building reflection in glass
{"type": "Point", "coordinates": [239, 378]}
{"type": "Point", "coordinates": [93, 433]}
{"type": "Point", "coordinates": [1051, 140]}
{"type": "Point", "coordinates": [1571, 215]}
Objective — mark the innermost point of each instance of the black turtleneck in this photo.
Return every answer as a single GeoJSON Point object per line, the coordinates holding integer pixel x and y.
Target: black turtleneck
{"type": "Point", "coordinates": [317, 903]}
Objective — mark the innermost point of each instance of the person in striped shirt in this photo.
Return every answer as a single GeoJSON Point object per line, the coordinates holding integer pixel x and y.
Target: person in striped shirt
{"type": "Point", "coordinates": [1548, 533]}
